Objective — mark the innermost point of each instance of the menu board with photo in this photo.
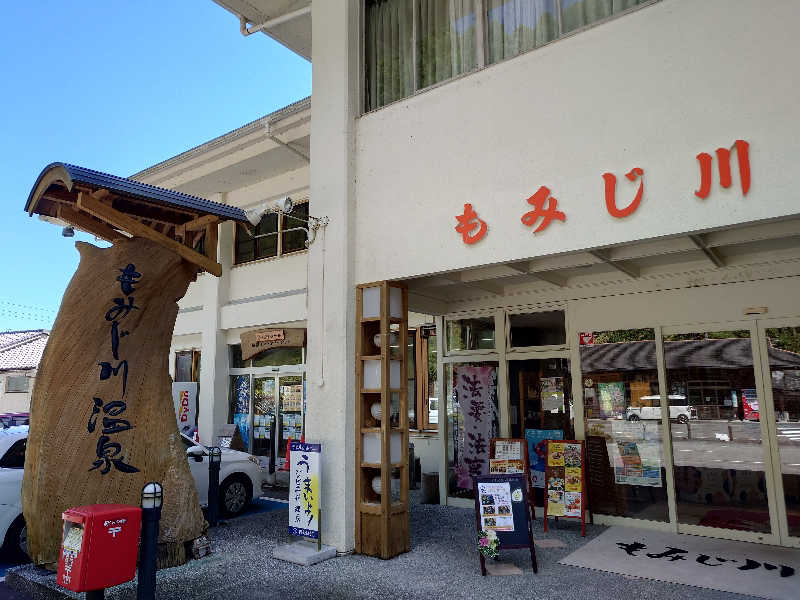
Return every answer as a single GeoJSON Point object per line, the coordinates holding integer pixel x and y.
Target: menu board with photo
{"type": "Point", "coordinates": [565, 481]}
{"type": "Point", "coordinates": [501, 506]}
{"type": "Point", "coordinates": [510, 456]}
{"type": "Point", "coordinates": [495, 501]}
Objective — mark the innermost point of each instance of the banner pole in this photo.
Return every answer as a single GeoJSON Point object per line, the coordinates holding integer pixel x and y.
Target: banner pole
{"type": "Point", "coordinates": [319, 532]}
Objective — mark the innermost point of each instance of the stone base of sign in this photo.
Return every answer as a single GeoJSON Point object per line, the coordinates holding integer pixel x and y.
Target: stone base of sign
{"type": "Point", "coordinates": [303, 553]}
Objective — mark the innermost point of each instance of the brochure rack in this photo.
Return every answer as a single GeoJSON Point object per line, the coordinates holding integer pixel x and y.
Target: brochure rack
{"type": "Point", "coordinates": [381, 411]}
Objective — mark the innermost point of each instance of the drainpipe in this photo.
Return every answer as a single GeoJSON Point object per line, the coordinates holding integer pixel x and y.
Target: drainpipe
{"type": "Point", "coordinates": [270, 23]}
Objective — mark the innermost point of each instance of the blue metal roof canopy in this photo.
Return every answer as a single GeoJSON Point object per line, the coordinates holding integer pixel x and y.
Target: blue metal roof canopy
{"type": "Point", "coordinates": [112, 207]}
{"type": "Point", "coordinates": [67, 175]}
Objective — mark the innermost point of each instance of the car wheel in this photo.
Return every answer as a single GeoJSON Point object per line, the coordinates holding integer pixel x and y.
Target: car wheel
{"type": "Point", "coordinates": [633, 417]}
{"type": "Point", "coordinates": [15, 546]}
{"type": "Point", "coordinates": [683, 419]}
{"type": "Point", "coordinates": [235, 494]}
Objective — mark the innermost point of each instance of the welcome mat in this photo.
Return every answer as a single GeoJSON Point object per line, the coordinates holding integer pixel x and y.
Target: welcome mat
{"type": "Point", "coordinates": [740, 567]}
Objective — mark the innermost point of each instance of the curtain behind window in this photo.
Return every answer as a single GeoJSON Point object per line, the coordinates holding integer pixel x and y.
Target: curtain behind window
{"type": "Point", "coordinates": [388, 51]}
{"type": "Point", "coordinates": [577, 13]}
{"type": "Point", "coordinates": [445, 39]}
{"type": "Point", "coordinates": [516, 26]}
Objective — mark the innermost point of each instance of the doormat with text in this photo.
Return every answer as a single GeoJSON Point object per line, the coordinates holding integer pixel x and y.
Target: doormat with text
{"type": "Point", "coordinates": [741, 567]}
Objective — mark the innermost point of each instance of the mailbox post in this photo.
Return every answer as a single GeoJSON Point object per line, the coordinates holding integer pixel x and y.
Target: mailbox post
{"type": "Point", "coordinates": [98, 548]}
{"type": "Point", "coordinates": [152, 497]}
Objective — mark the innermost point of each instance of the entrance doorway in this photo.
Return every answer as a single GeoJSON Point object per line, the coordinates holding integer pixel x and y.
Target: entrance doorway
{"type": "Point", "coordinates": [697, 428]}
{"type": "Point", "coordinates": [540, 395]}
{"type": "Point", "coordinates": [269, 411]}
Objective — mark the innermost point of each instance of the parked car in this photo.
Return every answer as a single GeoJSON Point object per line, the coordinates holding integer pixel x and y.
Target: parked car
{"type": "Point", "coordinates": [241, 478]}
{"type": "Point", "coordinates": [11, 419]}
{"type": "Point", "coordinates": [679, 410]}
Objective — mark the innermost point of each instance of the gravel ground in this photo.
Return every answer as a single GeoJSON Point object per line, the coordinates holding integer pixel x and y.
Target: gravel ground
{"type": "Point", "coordinates": [441, 564]}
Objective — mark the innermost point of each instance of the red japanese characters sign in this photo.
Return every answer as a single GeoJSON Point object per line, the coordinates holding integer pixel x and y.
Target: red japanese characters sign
{"type": "Point", "coordinates": [586, 338]}
{"type": "Point", "coordinates": [545, 207]}
{"type": "Point", "coordinates": [471, 228]}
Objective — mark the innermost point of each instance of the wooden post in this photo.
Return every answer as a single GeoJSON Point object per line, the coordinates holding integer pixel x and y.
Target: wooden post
{"type": "Point", "coordinates": [381, 527]}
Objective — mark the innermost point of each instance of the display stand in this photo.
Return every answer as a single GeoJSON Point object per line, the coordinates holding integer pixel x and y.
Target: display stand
{"type": "Point", "coordinates": [565, 481]}
{"type": "Point", "coordinates": [510, 446]}
{"type": "Point", "coordinates": [512, 524]}
{"type": "Point", "coordinates": [381, 411]}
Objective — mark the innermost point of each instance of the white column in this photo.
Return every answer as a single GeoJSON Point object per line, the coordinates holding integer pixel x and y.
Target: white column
{"type": "Point", "coordinates": [213, 400]}
{"type": "Point", "coordinates": [331, 292]}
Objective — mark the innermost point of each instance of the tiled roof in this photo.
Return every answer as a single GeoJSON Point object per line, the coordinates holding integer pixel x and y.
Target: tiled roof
{"type": "Point", "coordinates": [124, 186]}
{"type": "Point", "coordinates": [21, 350]}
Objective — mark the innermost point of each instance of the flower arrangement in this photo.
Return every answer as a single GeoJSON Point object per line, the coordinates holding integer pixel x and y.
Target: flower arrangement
{"type": "Point", "coordinates": [488, 544]}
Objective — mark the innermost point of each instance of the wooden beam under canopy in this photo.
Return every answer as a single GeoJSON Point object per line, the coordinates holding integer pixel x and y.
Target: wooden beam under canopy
{"type": "Point", "coordinates": [92, 205]}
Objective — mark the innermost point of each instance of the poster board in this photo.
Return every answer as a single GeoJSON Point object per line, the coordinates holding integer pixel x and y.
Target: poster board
{"type": "Point", "coordinates": [565, 481]}
{"type": "Point", "coordinates": [537, 448]}
{"type": "Point", "coordinates": [502, 505]}
{"type": "Point", "coordinates": [304, 494]}
{"type": "Point", "coordinates": [510, 456]}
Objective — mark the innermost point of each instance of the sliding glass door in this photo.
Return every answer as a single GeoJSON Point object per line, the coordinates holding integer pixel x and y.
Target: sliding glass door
{"type": "Point", "coordinates": [780, 350]}
{"type": "Point", "coordinates": [720, 448]}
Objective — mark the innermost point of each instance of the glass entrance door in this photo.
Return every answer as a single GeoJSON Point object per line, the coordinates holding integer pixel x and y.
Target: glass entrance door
{"type": "Point", "coordinates": [268, 411]}
{"type": "Point", "coordinates": [264, 417]}
{"type": "Point", "coordinates": [720, 449]}
{"type": "Point", "coordinates": [780, 348]}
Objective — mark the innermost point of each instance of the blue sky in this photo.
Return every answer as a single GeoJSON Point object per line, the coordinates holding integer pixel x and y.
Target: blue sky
{"type": "Point", "coordinates": [115, 86]}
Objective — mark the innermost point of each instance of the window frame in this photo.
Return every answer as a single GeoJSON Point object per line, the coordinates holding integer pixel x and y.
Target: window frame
{"type": "Point", "coordinates": [481, 43]}
{"type": "Point", "coordinates": [521, 350]}
{"type": "Point", "coordinates": [279, 253]}
{"type": "Point", "coordinates": [24, 377]}
{"type": "Point", "coordinates": [424, 334]}
{"type": "Point", "coordinates": [195, 369]}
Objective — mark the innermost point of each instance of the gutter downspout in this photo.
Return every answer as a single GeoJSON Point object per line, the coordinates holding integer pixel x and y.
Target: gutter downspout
{"type": "Point", "coordinates": [270, 23]}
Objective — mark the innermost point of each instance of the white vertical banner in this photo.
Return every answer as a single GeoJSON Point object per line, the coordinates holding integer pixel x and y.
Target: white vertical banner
{"type": "Point", "coordinates": [184, 397]}
{"type": "Point", "coordinates": [304, 489]}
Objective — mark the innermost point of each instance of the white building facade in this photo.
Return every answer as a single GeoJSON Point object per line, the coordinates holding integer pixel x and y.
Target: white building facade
{"type": "Point", "coordinates": [595, 201]}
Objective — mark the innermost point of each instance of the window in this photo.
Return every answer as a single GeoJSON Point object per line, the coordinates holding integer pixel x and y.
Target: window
{"type": "Point", "coordinates": [411, 361]}
{"type": "Point", "coordinates": [471, 334]}
{"type": "Point", "coordinates": [622, 407]}
{"type": "Point", "coordinates": [538, 329]}
{"type": "Point", "coordinates": [187, 365]}
{"type": "Point", "coordinates": [14, 458]}
{"type": "Point", "coordinates": [17, 383]}
{"type": "Point", "coordinates": [413, 44]}
{"type": "Point", "coordinates": [275, 235]}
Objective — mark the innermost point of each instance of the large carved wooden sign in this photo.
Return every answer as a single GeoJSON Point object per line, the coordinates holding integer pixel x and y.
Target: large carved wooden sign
{"type": "Point", "coordinates": [103, 422]}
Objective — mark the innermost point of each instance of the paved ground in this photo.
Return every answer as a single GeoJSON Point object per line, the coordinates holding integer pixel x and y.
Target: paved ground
{"type": "Point", "coordinates": [441, 564]}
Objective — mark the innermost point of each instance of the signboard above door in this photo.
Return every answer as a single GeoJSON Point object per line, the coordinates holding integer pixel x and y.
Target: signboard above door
{"type": "Point", "coordinates": [259, 340]}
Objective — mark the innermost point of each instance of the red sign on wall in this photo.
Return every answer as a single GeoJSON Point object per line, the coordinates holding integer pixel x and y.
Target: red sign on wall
{"type": "Point", "coordinates": [587, 338]}
{"type": "Point", "coordinates": [545, 207]}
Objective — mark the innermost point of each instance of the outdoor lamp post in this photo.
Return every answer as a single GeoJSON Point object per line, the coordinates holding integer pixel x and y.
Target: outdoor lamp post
{"type": "Point", "coordinates": [152, 498]}
{"type": "Point", "coordinates": [214, 459]}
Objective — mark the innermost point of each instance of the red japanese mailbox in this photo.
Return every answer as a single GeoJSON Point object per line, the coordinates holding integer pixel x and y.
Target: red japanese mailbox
{"type": "Point", "coordinates": [99, 547]}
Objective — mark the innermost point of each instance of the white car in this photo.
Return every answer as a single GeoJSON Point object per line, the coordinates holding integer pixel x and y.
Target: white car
{"type": "Point", "coordinates": [241, 479]}
{"type": "Point", "coordinates": [678, 409]}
